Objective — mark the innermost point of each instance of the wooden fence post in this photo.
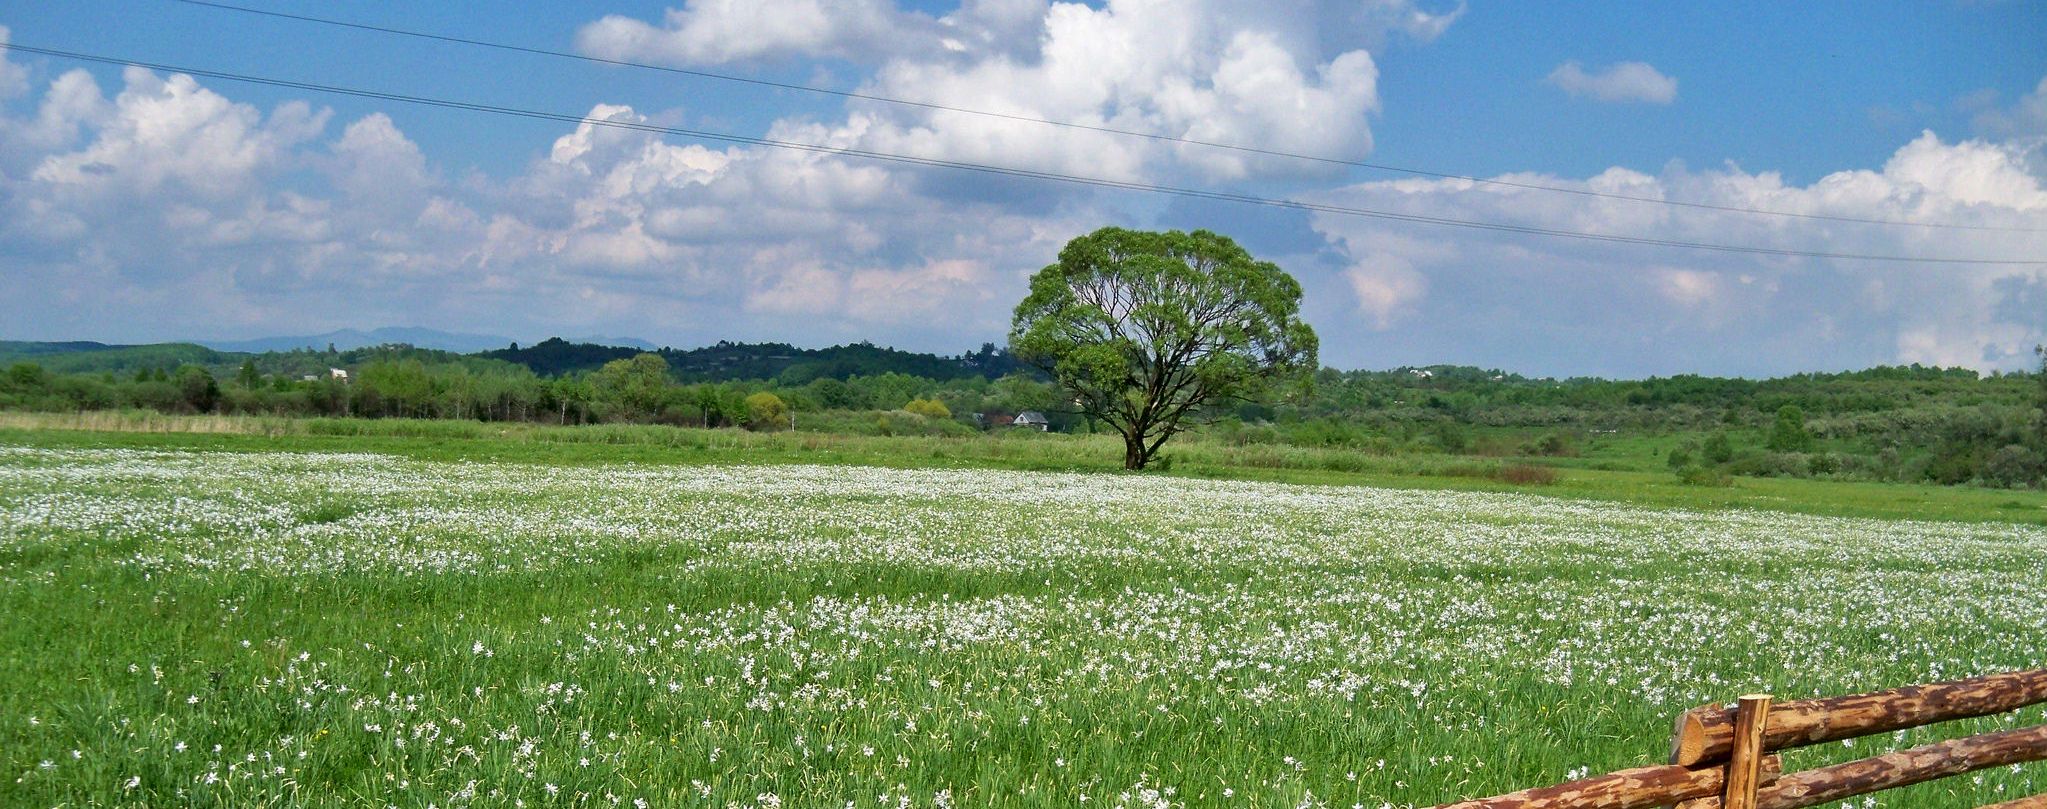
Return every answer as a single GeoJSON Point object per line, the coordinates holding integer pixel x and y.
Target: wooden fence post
{"type": "Point", "coordinates": [1746, 760]}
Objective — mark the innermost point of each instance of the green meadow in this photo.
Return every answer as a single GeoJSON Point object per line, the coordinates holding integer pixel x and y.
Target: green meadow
{"type": "Point", "coordinates": [244, 612]}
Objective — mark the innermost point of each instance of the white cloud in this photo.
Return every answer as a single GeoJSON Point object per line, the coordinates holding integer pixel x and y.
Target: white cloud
{"type": "Point", "coordinates": [207, 215]}
{"type": "Point", "coordinates": [1278, 77]}
{"type": "Point", "coordinates": [1700, 310]}
{"type": "Point", "coordinates": [708, 32]}
{"type": "Point", "coordinates": [1408, 17]}
{"type": "Point", "coordinates": [173, 132]}
{"type": "Point", "coordinates": [2026, 117]}
{"type": "Point", "coordinates": [1619, 82]}
{"type": "Point", "coordinates": [1386, 286]}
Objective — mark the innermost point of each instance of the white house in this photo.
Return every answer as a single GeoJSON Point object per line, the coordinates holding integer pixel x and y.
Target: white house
{"type": "Point", "coordinates": [1032, 419]}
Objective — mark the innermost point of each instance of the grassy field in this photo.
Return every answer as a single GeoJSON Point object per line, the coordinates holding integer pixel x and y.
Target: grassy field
{"type": "Point", "coordinates": [1625, 469]}
{"type": "Point", "coordinates": [441, 620]}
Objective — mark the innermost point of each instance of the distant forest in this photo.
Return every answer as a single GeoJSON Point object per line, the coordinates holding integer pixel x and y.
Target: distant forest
{"type": "Point", "coordinates": [1912, 423]}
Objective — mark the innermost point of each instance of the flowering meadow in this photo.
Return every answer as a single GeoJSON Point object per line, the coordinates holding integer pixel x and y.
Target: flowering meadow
{"type": "Point", "coordinates": [304, 629]}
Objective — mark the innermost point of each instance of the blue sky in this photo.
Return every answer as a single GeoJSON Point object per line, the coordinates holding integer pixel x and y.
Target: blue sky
{"type": "Point", "coordinates": [141, 206]}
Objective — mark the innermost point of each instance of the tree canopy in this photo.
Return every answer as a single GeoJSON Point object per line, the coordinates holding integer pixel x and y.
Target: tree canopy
{"type": "Point", "coordinates": [1145, 329]}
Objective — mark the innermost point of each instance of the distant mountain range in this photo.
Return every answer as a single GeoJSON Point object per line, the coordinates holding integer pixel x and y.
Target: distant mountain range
{"type": "Point", "coordinates": [350, 339]}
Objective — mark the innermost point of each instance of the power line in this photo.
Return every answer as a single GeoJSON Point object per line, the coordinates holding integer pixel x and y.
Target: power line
{"type": "Point", "coordinates": [1008, 171]}
{"type": "Point", "coordinates": [1337, 161]}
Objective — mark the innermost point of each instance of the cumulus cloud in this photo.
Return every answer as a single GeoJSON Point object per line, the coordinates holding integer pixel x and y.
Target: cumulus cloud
{"type": "Point", "coordinates": [708, 32]}
{"type": "Point", "coordinates": [1514, 301]}
{"type": "Point", "coordinates": [1281, 77]}
{"type": "Point", "coordinates": [174, 206]}
{"type": "Point", "coordinates": [1619, 82]}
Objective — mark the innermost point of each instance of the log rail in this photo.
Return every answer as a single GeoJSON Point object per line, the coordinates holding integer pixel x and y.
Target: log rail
{"type": "Point", "coordinates": [1723, 757]}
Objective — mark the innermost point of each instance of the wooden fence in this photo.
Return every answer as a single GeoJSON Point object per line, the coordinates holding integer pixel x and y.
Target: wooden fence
{"type": "Point", "coordinates": [1724, 757]}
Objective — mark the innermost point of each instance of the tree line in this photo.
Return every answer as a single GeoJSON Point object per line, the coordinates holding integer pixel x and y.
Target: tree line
{"type": "Point", "coordinates": [637, 389]}
{"type": "Point", "coordinates": [1908, 424]}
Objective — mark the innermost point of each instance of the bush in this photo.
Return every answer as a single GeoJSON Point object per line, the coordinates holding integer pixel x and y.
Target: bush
{"type": "Point", "coordinates": [904, 422]}
{"type": "Point", "coordinates": [1789, 434]}
{"type": "Point", "coordinates": [1679, 458]}
{"type": "Point", "coordinates": [1824, 463]}
{"type": "Point", "coordinates": [1704, 476]}
{"type": "Point", "coordinates": [1760, 464]}
{"type": "Point", "coordinates": [1553, 445]}
{"type": "Point", "coordinates": [928, 408]}
{"type": "Point", "coordinates": [1719, 449]}
{"type": "Point", "coordinates": [1954, 463]}
{"type": "Point", "coordinates": [1529, 475]}
{"type": "Point", "coordinates": [766, 411]}
{"type": "Point", "coordinates": [2013, 466]}
{"type": "Point", "coordinates": [1451, 438]}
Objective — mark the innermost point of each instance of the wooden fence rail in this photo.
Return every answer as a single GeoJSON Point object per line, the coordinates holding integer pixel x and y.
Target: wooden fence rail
{"type": "Point", "coordinates": [1724, 757]}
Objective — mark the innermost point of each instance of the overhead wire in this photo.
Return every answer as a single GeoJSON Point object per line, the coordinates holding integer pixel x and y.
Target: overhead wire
{"type": "Point", "coordinates": [1009, 171]}
{"type": "Point", "coordinates": [1152, 136]}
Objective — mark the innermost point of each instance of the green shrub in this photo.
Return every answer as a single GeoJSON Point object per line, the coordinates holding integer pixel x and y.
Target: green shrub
{"type": "Point", "coordinates": [1718, 449]}
{"type": "Point", "coordinates": [1823, 463]}
{"type": "Point", "coordinates": [904, 422]}
{"type": "Point", "coordinates": [766, 411]}
{"type": "Point", "coordinates": [1704, 476]}
{"type": "Point", "coordinates": [1789, 433]}
{"type": "Point", "coordinates": [1553, 445]}
{"type": "Point", "coordinates": [2013, 466]}
{"type": "Point", "coordinates": [1529, 475]}
{"type": "Point", "coordinates": [928, 408]}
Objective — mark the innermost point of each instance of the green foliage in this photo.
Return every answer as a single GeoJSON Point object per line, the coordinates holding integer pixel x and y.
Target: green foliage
{"type": "Point", "coordinates": [906, 423]}
{"type": "Point", "coordinates": [928, 408]}
{"type": "Point", "coordinates": [89, 357]}
{"type": "Point", "coordinates": [1450, 437]}
{"type": "Point", "coordinates": [1145, 330]}
{"type": "Point", "coordinates": [1553, 445]}
{"type": "Point", "coordinates": [1907, 424]}
{"type": "Point", "coordinates": [1718, 449]}
{"type": "Point", "coordinates": [632, 389]}
{"type": "Point", "coordinates": [2013, 466]}
{"type": "Point", "coordinates": [1704, 476]}
{"type": "Point", "coordinates": [766, 411]}
{"type": "Point", "coordinates": [1789, 434]}
{"type": "Point", "coordinates": [1823, 464]}
{"type": "Point", "coordinates": [197, 390]}
{"type": "Point", "coordinates": [400, 388]}
{"type": "Point", "coordinates": [784, 363]}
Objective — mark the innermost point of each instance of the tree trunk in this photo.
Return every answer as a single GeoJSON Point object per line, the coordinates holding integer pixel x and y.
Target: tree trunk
{"type": "Point", "coordinates": [1134, 456]}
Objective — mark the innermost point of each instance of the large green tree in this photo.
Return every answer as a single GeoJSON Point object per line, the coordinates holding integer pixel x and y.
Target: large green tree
{"type": "Point", "coordinates": [632, 389]}
{"type": "Point", "coordinates": [1146, 330]}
